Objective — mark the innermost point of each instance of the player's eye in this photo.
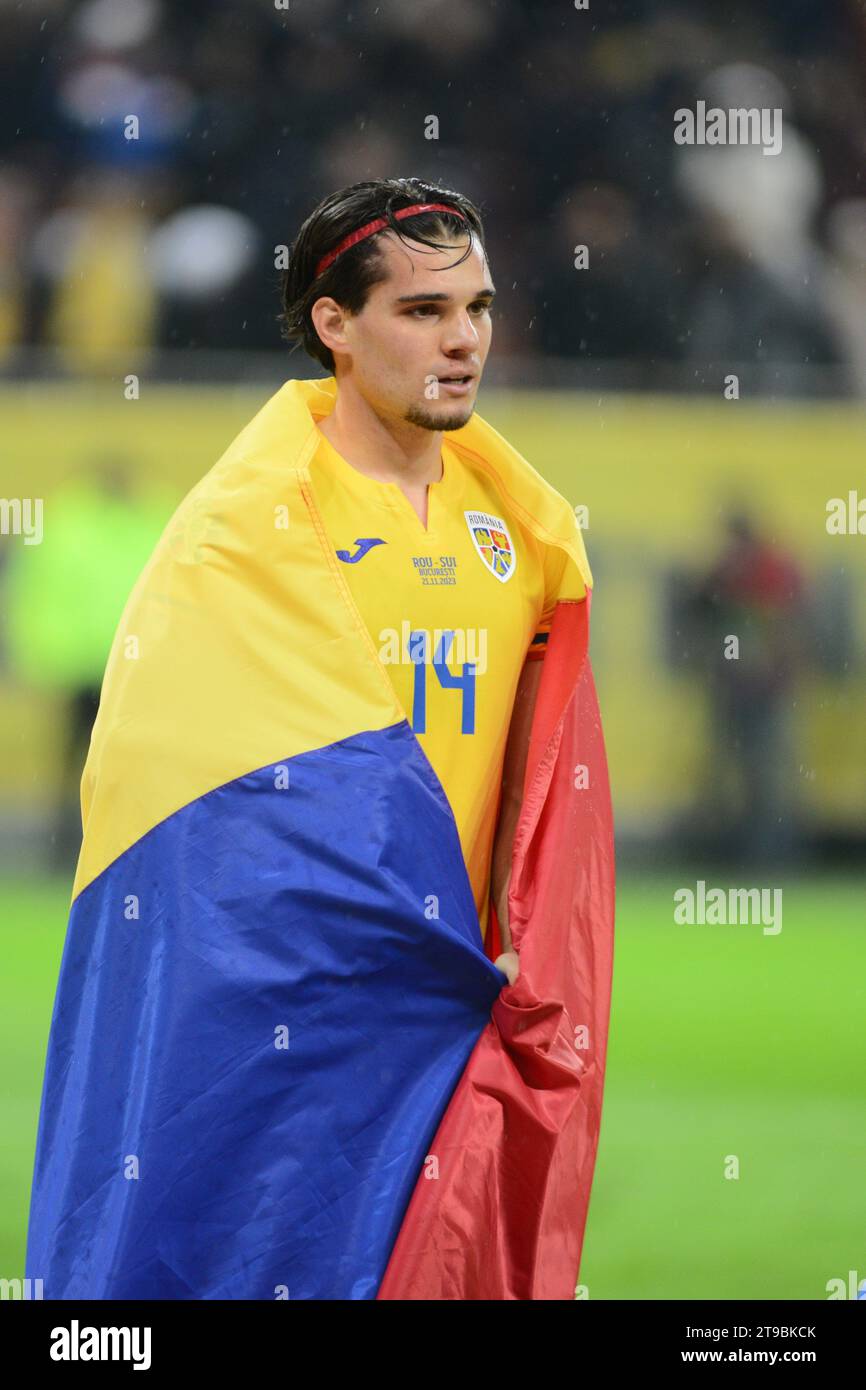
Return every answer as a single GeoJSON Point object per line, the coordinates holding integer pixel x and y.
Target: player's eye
{"type": "Point", "coordinates": [479, 306]}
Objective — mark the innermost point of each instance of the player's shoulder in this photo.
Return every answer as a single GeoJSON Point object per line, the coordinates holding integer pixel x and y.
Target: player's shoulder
{"type": "Point", "coordinates": [528, 495]}
{"type": "Point", "coordinates": [259, 467]}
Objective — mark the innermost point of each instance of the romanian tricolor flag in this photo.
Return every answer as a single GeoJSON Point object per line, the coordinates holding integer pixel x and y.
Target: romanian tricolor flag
{"type": "Point", "coordinates": [282, 1064]}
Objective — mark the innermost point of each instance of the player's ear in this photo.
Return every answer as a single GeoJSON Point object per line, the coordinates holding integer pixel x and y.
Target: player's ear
{"type": "Point", "coordinates": [329, 320]}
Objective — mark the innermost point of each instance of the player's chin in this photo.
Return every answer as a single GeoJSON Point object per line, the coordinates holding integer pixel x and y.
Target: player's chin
{"type": "Point", "coordinates": [455, 420]}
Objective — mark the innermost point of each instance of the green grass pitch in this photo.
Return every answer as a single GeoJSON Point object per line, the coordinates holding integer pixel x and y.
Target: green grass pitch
{"type": "Point", "coordinates": [725, 1044]}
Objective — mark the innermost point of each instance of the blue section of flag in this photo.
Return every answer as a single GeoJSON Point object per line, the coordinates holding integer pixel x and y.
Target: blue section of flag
{"type": "Point", "coordinates": [259, 1022]}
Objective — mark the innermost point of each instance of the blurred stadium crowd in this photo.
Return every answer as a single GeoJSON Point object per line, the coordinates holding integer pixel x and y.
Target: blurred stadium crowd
{"type": "Point", "coordinates": [559, 122]}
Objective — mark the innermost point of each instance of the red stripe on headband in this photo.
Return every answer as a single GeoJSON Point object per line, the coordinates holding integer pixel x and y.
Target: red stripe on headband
{"type": "Point", "coordinates": [354, 237]}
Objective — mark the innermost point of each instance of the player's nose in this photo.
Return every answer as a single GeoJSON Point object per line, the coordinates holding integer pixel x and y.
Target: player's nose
{"type": "Point", "coordinates": [460, 334]}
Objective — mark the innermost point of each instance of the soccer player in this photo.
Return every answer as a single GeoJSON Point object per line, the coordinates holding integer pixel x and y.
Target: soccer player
{"type": "Point", "coordinates": [388, 287]}
{"type": "Point", "coordinates": [348, 699]}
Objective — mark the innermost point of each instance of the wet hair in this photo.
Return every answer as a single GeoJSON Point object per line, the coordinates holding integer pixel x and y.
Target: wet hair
{"type": "Point", "coordinates": [349, 278]}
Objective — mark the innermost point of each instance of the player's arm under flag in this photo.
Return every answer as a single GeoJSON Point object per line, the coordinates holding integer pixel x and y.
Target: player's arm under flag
{"type": "Point", "coordinates": [281, 1063]}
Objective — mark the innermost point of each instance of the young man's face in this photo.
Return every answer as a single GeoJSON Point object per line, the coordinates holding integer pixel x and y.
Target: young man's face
{"type": "Point", "coordinates": [421, 324]}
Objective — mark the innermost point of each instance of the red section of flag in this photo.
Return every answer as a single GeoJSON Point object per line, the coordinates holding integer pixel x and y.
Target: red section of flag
{"type": "Point", "coordinates": [501, 1213]}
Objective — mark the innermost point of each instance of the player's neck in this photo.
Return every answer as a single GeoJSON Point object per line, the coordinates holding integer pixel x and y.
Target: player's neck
{"type": "Point", "coordinates": [391, 453]}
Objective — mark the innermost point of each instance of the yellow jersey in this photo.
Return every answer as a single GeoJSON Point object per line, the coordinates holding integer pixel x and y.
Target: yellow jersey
{"type": "Point", "coordinates": [454, 610]}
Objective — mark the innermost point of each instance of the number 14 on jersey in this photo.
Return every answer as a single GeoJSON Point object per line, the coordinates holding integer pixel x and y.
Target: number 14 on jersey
{"type": "Point", "coordinates": [418, 647]}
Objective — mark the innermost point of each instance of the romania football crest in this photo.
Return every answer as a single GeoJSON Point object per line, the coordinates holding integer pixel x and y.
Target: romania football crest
{"type": "Point", "coordinates": [493, 543]}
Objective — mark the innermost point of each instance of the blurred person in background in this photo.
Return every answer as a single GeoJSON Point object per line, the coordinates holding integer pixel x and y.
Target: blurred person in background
{"type": "Point", "coordinates": [91, 255]}
{"type": "Point", "coordinates": [754, 592]}
{"type": "Point", "coordinates": [756, 292]}
{"type": "Point", "coordinates": [63, 599]}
